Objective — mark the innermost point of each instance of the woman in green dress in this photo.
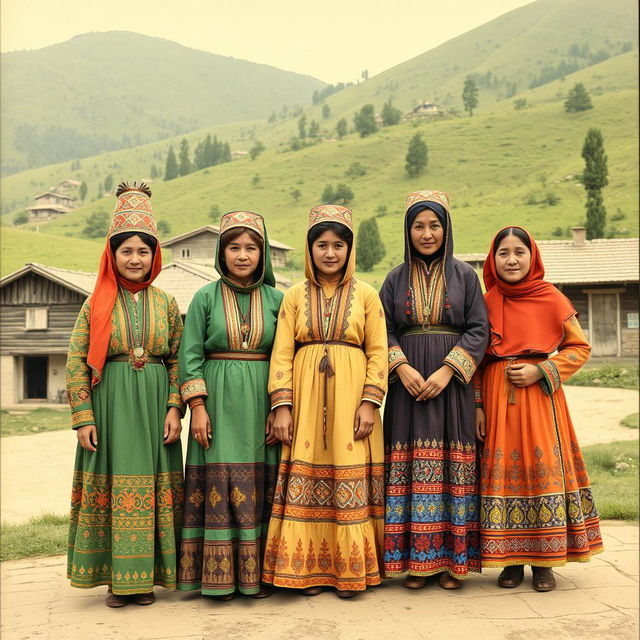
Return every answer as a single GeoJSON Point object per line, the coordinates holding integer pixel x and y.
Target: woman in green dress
{"type": "Point", "coordinates": [223, 367]}
{"type": "Point", "coordinates": [122, 385]}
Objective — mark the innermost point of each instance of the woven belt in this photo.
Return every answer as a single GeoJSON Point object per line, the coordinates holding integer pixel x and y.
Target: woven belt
{"type": "Point", "coordinates": [148, 359]}
{"type": "Point", "coordinates": [340, 343]}
{"type": "Point", "coordinates": [432, 328]}
{"type": "Point", "coordinates": [235, 355]}
{"type": "Point", "coordinates": [489, 357]}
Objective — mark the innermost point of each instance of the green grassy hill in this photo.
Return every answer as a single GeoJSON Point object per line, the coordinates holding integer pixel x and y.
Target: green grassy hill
{"type": "Point", "coordinates": [119, 89]}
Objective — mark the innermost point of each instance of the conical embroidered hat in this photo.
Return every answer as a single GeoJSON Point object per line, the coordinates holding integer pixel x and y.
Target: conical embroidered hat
{"type": "Point", "coordinates": [330, 213]}
{"type": "Point", "coordinates": [133, 211]}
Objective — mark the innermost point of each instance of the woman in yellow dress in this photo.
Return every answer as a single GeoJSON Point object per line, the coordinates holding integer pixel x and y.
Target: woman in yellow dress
{"type": "Point", "coordinates": [327, 378]}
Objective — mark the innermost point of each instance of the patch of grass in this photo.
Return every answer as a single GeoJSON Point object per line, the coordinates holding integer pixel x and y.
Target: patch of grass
{"type": "Point", "coordinates": [45, 535]}
{"type": "Point", "coordinates": [609, 375]}
{"type": "Point", "coordinates": [631, 421]}
{"type": "Point", "coordinates": [613, 471]}
{"type": "Point", "coordinates": [36, 421]}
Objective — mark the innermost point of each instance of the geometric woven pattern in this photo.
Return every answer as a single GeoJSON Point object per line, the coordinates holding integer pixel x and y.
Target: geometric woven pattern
{"type": "Point", "coordinates": [330, 213]}
{"type": "Point", "coordinates": [247, 219]}
{"type": "Point", "coordinates": [428, 196]}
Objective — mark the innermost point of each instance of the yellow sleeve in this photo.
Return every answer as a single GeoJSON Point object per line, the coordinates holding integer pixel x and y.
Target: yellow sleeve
{"type": "Point", "coordinates": [171, 361]}
{"type": "Point", "coordinates": [375, 348]}
{"type": "Point", "coordinates": [573, 352]}
{"type": "Point", "coordinates": [78, 372]}
{"type": "Point", "coordinates": [284, 348]}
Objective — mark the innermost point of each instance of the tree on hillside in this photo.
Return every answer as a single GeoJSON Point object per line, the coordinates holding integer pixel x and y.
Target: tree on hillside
{"type": "Point", "coordinates": [390, 115]}
{"type": "Point", "coordinates": [370, 249]}
{"type": "Point", "coordinates": [341, 128]}
{"type": "Point", "coordinates": [302, 126]}
{"type": "Point", "coordinates": [470, 95]}
{"type": "Point", "coordinates": [153, 172]}
{"type": "Point", "coordinates": [296, 194]}
{"type": "Point", "coordinates": [164, 227]}
{"type": "Point", "coordinates": [594, 179]}
{"type": "Point", "coordinates": [21, 218]}
{"type": "Point", "coordinates": [256, 150]}
{"type": "Point", "coordinates": [328, 195]}
{"type": "Point", "coordinates": [326, 111]}
{"type": "Point", "coordinates": [578, 99]}
{"type": "Point", "coordinates": [185, 161]}
{"type": "Point", "coordinates": [417, 156]}
{"type": "Point", "coordinates": [226, 153]}
{"type": "Point", "coordinates": [343, 194]}
{"type": "Point", "coordinates": [365, 121]}
{"type": "Point", "coordinates": [314, 129]}
{"type": "Point", "coordinates": [108, 182]}
{"type": "Point", "coordinates": [97, 225]}
{"type": "Point", "coordinates": [82, 191]}
{"type": "Point", "coordinates": [171, 167]}
{"type": "Point", "coordinates": [214, 213]}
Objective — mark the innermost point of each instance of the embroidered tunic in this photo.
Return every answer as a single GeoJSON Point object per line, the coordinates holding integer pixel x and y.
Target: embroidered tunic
{"type": "Point", "coordinates": [327, 522]}
{"type": "Point", "coordinates": [435, 316]}
{"type": "Point", "coordinates": [537, 507]}
{"type": "Point", "coordinates": [126, 503]}
{"type": "Point", "coordinates": [229, 487]}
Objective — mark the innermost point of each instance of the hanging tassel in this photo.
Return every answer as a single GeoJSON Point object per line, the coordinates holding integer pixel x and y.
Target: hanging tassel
{"type": "Point", "coordinates": [510, 390]}
{"type": "Point", "coordinates": [325, 365]}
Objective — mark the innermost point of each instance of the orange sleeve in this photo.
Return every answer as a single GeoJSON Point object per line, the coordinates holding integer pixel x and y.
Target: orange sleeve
{"type": "Point", "coordinates": [573, 352]}
{"type": "Point", "coordinates": [476, 381]}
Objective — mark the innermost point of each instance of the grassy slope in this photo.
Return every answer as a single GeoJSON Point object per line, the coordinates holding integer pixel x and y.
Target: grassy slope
{"type": "Point", "coordinates": [489, 164]}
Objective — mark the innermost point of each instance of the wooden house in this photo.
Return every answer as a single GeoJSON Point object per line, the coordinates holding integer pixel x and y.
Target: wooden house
{"type": "Point", "coordinates": [38, 308]}
{"type": "Point", "coordinates": [600, 277]}
{"type": "Point", "coordinates": [49, 205]}
{"type": "Point", "coordinates": [199, 246]}
{"type": "Point", "coordinates": [424, 110]}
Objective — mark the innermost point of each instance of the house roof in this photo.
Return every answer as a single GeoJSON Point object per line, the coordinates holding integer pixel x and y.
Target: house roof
{"type": "Point", "coordinates": [596, 261]}
{"type": "Point", "coordinates": [210, 228]}
{"type": "Point", "coordinates": [79, 281]}
{"type": "Point", "coordinates": [56, 194]}
{"type": "Point", "coordinates": [49, 207]}
{"type": "Point", "coordinates": [180, 279]}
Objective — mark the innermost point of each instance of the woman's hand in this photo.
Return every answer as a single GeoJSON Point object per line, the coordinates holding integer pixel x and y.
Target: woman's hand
{"type": "Point", "coordinates": [88, 437]}
{"type": "Point", "coordinates": [201, 429]}
{"type": "Point", "coordinates": [270, 436]}
{"type": "Point", "coordinates": [481, 424]}
{"type": "Point", "coordinates": [282, 427]}
{"type": "Point", "coordinates": [523, 375]}
{"type": "Point", "coordinates": [434, 385]}
{"type": "Point", "coordinates": [410, 378]}
{"type": "Point", "coordinates": [363, 423]}
{"type": "Point", "coordinates": [172, 425]}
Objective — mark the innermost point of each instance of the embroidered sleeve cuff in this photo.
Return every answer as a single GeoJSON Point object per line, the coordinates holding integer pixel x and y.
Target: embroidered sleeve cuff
{"type": "Point", "coordinates": [374, 394]}
{"type": "Point", "coordinates": [175, 400]}
{"type": "Point", "coordinates": [193, 388]}
{"type": "Point", "coordinates": [477, 398]}
{"type": "Point", "coordinates": [82, 418]}
{"type": "Point", "coordinates": [462, 363]}
{"type": "Point", "coordinates": [396, 358]}
{"type": "Point", "coordinates": [281, 397]}
{"type": "Point", "coordinates": [550, 381]}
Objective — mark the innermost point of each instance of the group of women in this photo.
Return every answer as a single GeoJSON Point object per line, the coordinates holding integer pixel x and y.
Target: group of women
{"type": "Point", "coordinates": [291, 480]}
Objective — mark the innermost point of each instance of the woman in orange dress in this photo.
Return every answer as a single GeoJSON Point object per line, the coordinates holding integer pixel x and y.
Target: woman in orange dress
{"type": "Point", "coordinates": [536, 504]}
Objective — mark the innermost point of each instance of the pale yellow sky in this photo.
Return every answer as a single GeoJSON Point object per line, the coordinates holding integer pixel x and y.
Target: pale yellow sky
{"type": "Point", "coordinates": [332, 40]}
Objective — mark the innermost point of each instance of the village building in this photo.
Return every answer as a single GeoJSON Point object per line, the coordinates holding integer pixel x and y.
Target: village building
{"type": "Point", "coordinates": [199, 246]}
{"type": "Point", "coordinates": [424, 109]}
{"type": "Point", "coordinates": [38, 307]}
{"type": "Point", "coordinates": [50, 205]}
{"type": "Point", "coordinates": [600, 277]}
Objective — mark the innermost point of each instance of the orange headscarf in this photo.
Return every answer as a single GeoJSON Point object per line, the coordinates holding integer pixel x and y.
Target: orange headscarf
{"type": "Point", "coordinates": [527, 316]}
{"type": "Point", "coordinates": [132, 213]}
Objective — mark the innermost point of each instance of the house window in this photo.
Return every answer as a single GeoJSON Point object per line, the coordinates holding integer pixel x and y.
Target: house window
{"type": "Point", "coordinates": [185, 253]}
{"type": "Point", "coordinates": [36, 319]}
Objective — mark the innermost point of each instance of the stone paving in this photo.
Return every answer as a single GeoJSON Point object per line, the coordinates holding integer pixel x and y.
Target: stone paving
{"type": "Point", "coordinates": [595, 600]}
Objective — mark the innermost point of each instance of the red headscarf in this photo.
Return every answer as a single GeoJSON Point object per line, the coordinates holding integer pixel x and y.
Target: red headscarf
{"type": "Point", "coordinates": [527, 316]}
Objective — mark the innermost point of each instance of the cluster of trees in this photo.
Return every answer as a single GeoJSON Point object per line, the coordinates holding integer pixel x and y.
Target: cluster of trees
{"type": "Point", "coordinates": [208, 153]}
{"type": "Point", "coordinates": [340, 194]}
{"type": "Point", "coordinates": [320, 94]}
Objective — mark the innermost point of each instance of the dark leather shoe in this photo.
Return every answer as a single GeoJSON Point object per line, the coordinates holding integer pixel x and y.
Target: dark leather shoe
{"type": "Point", "coordinates": [511, 577]}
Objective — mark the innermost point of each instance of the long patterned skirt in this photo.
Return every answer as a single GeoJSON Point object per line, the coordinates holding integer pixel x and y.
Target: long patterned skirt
{"type": "Point", "coordinates": [431, 518]}
{"type": "Point", "coordinates": [126, 501]}
{"type": "Point", "coordinates": [229, 487]}
{"type": "Point", "coordinates": [537, 507]}
{"type": "Point", "coordinates": [327, 522]}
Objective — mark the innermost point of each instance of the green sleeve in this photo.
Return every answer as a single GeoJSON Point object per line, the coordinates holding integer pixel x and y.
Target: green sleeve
{"type": "Point", "coordinates": [191, 355]}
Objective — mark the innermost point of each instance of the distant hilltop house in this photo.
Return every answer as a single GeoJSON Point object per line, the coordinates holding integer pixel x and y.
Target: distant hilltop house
{"type": "Point", "coordinates": [600, 277]}
{"type": "Point", "coordinates": [424, 109]}
{"type": "Point", "coordinates": [236, 155]}
{"type": "Point", "coordinates": [199, 246]}
{"type": "Point", "coordinates": [39, 305]}
{"type": "Point", "coordinates": [54, 202]}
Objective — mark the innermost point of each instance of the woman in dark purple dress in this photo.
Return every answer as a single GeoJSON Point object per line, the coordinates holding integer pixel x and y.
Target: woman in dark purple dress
{"type": "Point", "coordinates": [438, 331]}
